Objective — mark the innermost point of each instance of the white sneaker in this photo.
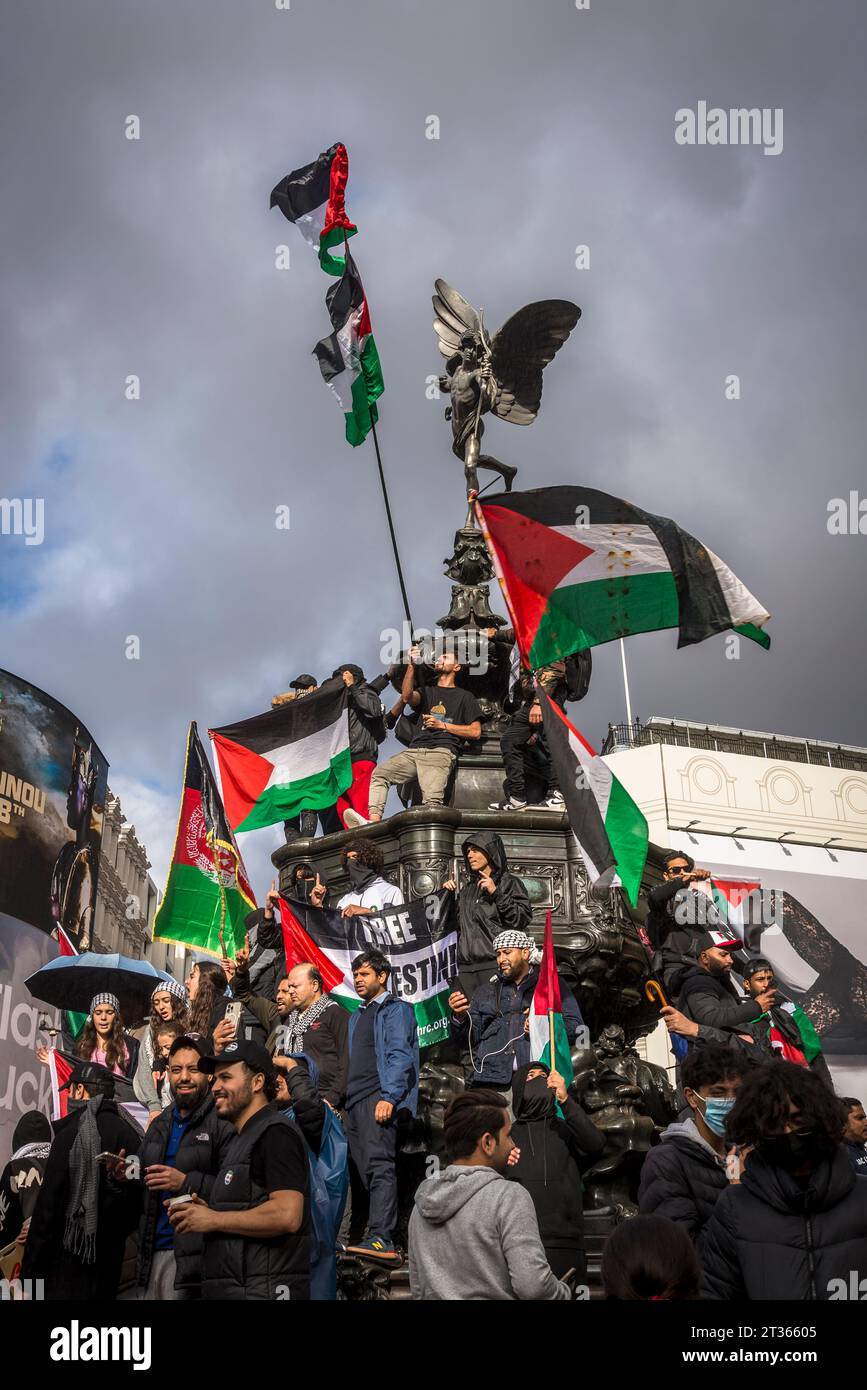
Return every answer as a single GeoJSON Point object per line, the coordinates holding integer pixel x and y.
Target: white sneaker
{"type": "Point", "coordinates": [353, 819]}
{"type": "Point", "coordinates": [512, 803]}
{"type": "Point", "coordinates": [555, 802]}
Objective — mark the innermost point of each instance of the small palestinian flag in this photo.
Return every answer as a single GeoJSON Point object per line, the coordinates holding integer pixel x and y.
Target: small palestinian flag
{"type": "Point", "coordinates": [294, 758]}
{"type": "Point", "coordinates": [609, 828]}
{"type": "Point", "coordinates": [579, 567]}
{"type": "Point", "coordinates": [207, 895]}
{"type": "Point", "coordinates": [313, 198]}
{"type": "Point", "coordinates": [736, 905]}
{"type": "Point", "coordinates": [348, 359]}
{"type": "Point", "coordinates": [546, 1015]}
{"type": "Point", "coordinates": [810, 1044]}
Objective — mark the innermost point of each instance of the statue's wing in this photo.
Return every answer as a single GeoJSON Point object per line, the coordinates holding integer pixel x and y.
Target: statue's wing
{"type": "Point", "coordinates": [454, 317]}
{"type": "Point", "coordinates": [520, 352]}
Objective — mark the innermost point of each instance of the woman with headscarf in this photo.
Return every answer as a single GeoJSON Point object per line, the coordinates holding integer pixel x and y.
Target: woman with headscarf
{"type": "Point", "coordinates": [168, 1005]}
{"type": "Point", "coordinates": [492, 900]}
{"type": "Point", "coordinates": [553, 1148]}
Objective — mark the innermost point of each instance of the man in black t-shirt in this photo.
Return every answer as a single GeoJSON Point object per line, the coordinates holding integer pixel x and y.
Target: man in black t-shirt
{"type": "Point", "coordinates": [256, 1224]}
{"type": "Point", "coordinates": [448, 715]}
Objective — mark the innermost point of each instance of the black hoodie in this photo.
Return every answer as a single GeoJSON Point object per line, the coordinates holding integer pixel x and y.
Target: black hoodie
{"type": "Point", "coordinates": [481, 915]}
{"type": "Point", "coordinates": [553, 1153]}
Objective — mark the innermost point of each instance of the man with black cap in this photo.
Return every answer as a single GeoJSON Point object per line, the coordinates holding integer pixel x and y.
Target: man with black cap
{"type": "Point", "coordinates": [256, 1223]}
{"type": "Point", "coordinates": [84, 1212]}
{"type": "Point", "coordinates": [304, 824]}
{"type": "Point", "coordinates": [709, 999]}
{"type": "Point", "coordinates": [366, 733]}
{"type": "Point", "coordinates": [182, 1151]}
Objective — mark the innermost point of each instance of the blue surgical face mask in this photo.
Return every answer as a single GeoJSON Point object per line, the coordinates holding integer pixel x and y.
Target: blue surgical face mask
{"type": "Point", "coordinates": [716, 1108]}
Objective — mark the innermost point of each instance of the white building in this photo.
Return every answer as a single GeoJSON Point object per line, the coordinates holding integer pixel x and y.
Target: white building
{"type": "Point", "coordinates": [127, 898]}
{"type": "Point", "coordinates": [788, 813]}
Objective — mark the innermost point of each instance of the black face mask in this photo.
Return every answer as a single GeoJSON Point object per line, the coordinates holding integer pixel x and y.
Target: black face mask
{"type": "Point", "coordinates": [537, 1102]}
{"type": "Point", "coordinates": [361, 876]}
{"type": "Point", "coordinates": [303, 887]}
{"type": "Point", "coordinates": [791, 1151]}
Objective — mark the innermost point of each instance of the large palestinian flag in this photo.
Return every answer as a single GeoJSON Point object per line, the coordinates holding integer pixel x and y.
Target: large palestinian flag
{"type": "Point", "coordinates": [608, 826]}
{"type": "Point", "coordinates": [579, 567]}
{"type": "Point", "coordinates": [207, 895]}
{"type": "Point", "coordinates": [294, 758]}
{"type": "Point", "coordinates": [419, 940]}
{"type": "Point", "coordinates": [348, 359]}
{"type": "Point", "coordinates": [313, 198]}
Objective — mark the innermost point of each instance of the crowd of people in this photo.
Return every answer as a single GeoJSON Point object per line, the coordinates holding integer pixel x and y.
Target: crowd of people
{"type": "Point", "coordinates": [275, 1118]}
{"type": "Point", "coordinates": [435, 717]}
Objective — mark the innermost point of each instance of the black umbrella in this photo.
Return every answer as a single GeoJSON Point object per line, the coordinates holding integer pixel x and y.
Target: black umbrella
{"type": "Point", "coordinates": [70, 982]}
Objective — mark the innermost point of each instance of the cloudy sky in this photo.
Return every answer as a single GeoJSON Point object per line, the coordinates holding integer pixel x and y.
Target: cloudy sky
{"type": "Point", "coordinates": [556, 128]}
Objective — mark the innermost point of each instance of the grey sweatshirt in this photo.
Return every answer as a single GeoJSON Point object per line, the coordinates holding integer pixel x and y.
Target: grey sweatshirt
{"type": "Point", "coordinates": [473, 1235]}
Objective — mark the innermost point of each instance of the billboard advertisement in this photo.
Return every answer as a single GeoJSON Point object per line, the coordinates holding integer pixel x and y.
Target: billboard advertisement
{"type": "Point", "coordinates": [53, 780]}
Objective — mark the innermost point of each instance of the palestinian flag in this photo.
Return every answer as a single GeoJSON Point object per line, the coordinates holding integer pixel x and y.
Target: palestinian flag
{"type": "Point", "coordinates": [419, 940]}
{"type": "Point", "coordinates": [579, 567]}
{"type": "Point", "coordinates": [546, 1015]}
{"type": "Point", "coordinates": [74, 1021]}
{"type": "Point", "coordinates": [294, 758]}
{"type": "Point", "coordinates": [810, 1044]}
{"type": "Point", "coordinates": [313, 198]}
{"type": "Point", "coordinates": [736, 905]}
{"type": "Point", "coordinates": [610, 829]}
{"type": "Point", "coordinates": [348, 359]}
{"type": "Point", "coordinates": [207, 895]}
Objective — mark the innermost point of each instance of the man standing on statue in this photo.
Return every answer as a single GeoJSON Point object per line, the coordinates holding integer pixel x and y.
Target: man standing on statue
{"type": "Point", "coordinates": [448, 714]}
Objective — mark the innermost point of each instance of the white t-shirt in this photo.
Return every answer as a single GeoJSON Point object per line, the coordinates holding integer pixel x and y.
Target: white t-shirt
{"type": "Point", "coordinates": [380, 894]}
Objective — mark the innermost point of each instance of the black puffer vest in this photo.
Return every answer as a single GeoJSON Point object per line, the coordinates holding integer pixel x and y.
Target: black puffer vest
{"type": "Point", "coordinates": [235, 1267]}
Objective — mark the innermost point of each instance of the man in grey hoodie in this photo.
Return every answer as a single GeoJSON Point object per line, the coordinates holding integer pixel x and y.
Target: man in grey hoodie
{"type": "Point", "coordinates": [473, 1235]}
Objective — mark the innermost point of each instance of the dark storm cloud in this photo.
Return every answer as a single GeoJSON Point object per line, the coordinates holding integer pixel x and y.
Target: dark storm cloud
{"type": "Point", "coordinates": [156, 257]}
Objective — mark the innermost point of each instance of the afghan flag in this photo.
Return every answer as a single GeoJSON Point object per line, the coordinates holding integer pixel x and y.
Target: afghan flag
{"type": "Point", "coordinates": [314, 199]}
{"type": "Point", "coordinates": [609, 828]}
{"type": "Point", "coordinates": [294, 758]}
{"type": "Point", "coordinates": [74, 1021]}
{"type": "Point", "coordinates": [549, 1042]}
{"type": "Point", "coordinates": [348, 359]}
{"type": "Point", "coordinates": [207, 894]}
{"type": "Point", "coordinates": [578, 567]}
{"type": "Point", "coordinates": [419, 939]}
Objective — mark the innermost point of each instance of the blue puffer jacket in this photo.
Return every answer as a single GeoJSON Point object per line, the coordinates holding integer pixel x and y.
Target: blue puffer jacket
{"type": "Point", "coordinates": [395, 1037]}
{"type": "Point", "coordinates": [494, 1027]}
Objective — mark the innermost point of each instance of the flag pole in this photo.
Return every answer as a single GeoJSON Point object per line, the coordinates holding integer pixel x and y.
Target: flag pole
{"type": "Point", "coordinates": [626, 687]}
{"type": "Point", "coordinates": [391, 528]}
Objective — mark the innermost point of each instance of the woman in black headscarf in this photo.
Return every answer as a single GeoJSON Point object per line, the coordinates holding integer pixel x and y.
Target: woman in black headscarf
{"type": "Point", "coordinates": [553, 1152]}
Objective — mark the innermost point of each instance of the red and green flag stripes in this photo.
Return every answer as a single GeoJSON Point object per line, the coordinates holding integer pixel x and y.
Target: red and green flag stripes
{"type": "Point", "coordinates": [549, 1041]}
{"type": "Point", "coordinates": [610, 829]}
{"type": "Point", "coordinates": [74, 1021]}
{"type": "Point", "coordinates": [293, 758]}
{"type": "Point", "coordinates": [579, 568]}
{"type": "Point", "coordinates": [419, 940]}
{"type": "Point", "coordinates": [348, 359]}
{"type": "Point", "coordinates": [313, 198]}
{"type": "Point", "coordinates": [207, 895]}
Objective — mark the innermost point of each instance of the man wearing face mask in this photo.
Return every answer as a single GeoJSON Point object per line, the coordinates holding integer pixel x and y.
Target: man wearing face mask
{"type": "Point", "coordinates": [795, 1226]}
{"type": "Point", "coordinates": [552, 1151]}
{"type": "Point", "coordinates": [682, 1178]}
{"type": "Point", "coordinates": [369, 891]}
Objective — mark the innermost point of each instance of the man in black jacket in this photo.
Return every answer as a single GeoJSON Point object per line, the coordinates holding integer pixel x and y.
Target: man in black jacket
{"type": "Point", "coordinates": [684, 1175]}
{"type": "Point", "coordinates": [709, 999]}
{"type": "Point", "coordinates": [84, 1213]}
{"type": "Point", "coordinates": [256, 1224]}
{"type": "Point", "coordinates": [795, 1226]}
{"type": "Point", "coordinates": [366, 733]}
{"type": "Point", "coordinates": [551, 1152]}
{"type": "Point", "coordinates": [492, 900]}
{"type": "Point", "coordinates": [182, 1151]}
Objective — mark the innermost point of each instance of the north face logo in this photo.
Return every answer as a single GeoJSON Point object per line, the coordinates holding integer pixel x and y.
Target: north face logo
{"type": "Point", "coordinates": [203, 1138]}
